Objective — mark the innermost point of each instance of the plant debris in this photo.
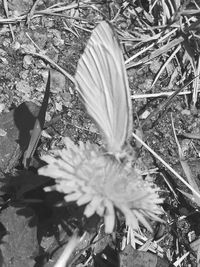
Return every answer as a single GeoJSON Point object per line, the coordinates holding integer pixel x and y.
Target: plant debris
{"type": "Point", "coordinates": [43, 220]}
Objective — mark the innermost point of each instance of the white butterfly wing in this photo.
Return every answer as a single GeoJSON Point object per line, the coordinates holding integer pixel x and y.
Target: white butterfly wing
{"type": "Point", "coordinates": [103, 85]}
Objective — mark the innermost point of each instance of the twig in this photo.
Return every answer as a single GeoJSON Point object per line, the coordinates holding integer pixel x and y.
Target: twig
{"type": "Point", "coordinates": [155, 95]}
{"type": "Point", "coordinates": [32, 11]}
{"type": "Point", "coordinates": [191, 135]}
{"type": "Point", "coordinates": [33, 42]}
{"type": "Point", "coordinates": [52, 63]}
{"type": "Point", "coordinates": [70, 30]}
{"type": "Point", "coordinates": [166, 63]}
{"type": "Point", "coordinates": [80, 27]}
{"type": "Point", "coordinates": [48, 11]}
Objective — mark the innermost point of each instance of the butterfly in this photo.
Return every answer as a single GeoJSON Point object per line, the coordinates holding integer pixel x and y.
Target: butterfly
{"type": "Point", "coordinates": [103, 85]}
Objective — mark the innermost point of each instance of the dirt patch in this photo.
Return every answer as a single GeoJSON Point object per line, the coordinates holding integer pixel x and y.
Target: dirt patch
{"type": "Point", "coordinates": [54, 35]}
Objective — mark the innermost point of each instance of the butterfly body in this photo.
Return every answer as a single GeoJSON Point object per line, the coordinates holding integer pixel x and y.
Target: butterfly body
{"type": "Point", "coordinates": [103, 85]}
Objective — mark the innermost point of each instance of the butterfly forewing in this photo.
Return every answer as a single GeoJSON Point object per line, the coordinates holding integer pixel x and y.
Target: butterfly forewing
{"type": "Point", "coordinates": [103, 85]}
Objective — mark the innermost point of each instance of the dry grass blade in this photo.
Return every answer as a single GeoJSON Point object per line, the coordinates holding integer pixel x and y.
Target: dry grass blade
{"type": "Point", "coordinates": [156, 53]}
{"type": "Point", "coordinates": [196, 83]}
{"type": "Point", "coordinates": [70, 30]}
{"type": "Point", "coordinates": [168, 35]}
{"type": "Point", "coordinates": [166, 12]}
{"type": "Point", "coordinates": [189, 53]}
{"type": "Point", "coordinates": [31, 13]}
{"type": "Point", "coordinates": [152, 5]}
{"type": "Point", "coordinates": [52, 11]}
{"type": "Point", "coordinates": [5, 3]}
{"type": "Point", "coordinates": [37, 130]}
{"type": "Point", "coordinates": [165, 64]}
{"type": "Point", "coordinates": [163, 106]}
{"type": "Point", "coordinates": [137, 55]}
{"type": "Point", "coordinates": [170, 186]}
{"type": "Point", "coordinates": [62, 8]}
{"type": "Point", "coordinates": [182, 159]}
{"type": "Point", "coordinates": [53, 64]}
{"type": "Point", "coordinates": [140, 240]}
{"type": "Point", "coordinates": [190, 12]}
{"type": "Point", "coordinates": [166, 165]}
{"type": "Point", "coordinates": [186, 169]}
{"type": "Point", "coordinates": [191, 135]}
{"type": "Point", "coordinates": [180, 260]}
{"type": "Point", "coordinates": [195, 245]}
{"type": "Point", "coordinates": [164, 94]}
{"type": "Point", "coordinates": [70, 247]}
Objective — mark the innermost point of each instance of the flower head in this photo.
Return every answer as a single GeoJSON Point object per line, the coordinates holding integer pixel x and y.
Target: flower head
{"type": "Point", "coordinates": [85, 175]}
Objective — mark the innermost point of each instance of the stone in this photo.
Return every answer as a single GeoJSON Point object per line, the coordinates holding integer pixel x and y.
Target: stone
{"type": "Point", "coordinates": [20, 6]}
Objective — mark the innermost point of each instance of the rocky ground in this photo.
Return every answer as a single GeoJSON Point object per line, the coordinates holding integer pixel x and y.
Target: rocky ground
{"type": "Point", "coordinates": [34, 231]}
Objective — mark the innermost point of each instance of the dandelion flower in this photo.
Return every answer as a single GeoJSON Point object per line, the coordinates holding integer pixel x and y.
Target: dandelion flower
{"type": "Point", "coordinates": [85, 175]}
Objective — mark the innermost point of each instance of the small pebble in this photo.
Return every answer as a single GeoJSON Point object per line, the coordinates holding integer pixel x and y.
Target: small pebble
{"type": "Point", "coordinates": [27, 61]}
{"type": "Point", "coordinates": [186, 112]}
{"type": "Point", "coordinates": [4, 60]}
{"type": "Point", "coordinates": [47, 116]}
{"type": "Point", "coordinates": [23, 86]}
{"type": "Point", "coordinates": [2, 52]}
{"type": "Point", "coordinates": [41, 87]}
{"type": "Point", "coordinates": [16, 45]}
{"type": "Point", "coordinates": [144, 115]}
{"type": "Point", "coordinates": [46, 135]}
{"type": "Point", "coordinates": [58, 106]}
{"type": "Point", "coordinates": [26, 48]}
{"type": "Point", "coordinates": [155, 66]}
{"type": "Point", "coordinates": [20, 6]}
{"type": "Point", "coordinates": [2, 107]}
{"type": "Point", "coordinates": [6, 42]}
{"type": "Point", "coordinates": [3, 132]}
{"type": "Point", "coordinates": [93, 128]}
{"type": "Point", "coordinates": [24, 74]}
{"type": "Point", "coordinates": [123, 25]}
{"type": "Point", "coordinates": [66, 98]}
{"type": "Point", "coordinates": [57, 81]}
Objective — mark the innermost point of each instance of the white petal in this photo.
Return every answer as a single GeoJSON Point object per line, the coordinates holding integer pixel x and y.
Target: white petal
{"type": "Point", "coordinates": [92, 206]}
{"type": "Point", "coordinates": [100, 209]}
{"type": "Point", "coordinates": [49, 159]}
{"type": "Point", "coordinates": [73, 196]}
{"type": "Point", "coordinates": [130, 218]}
{"type": "Point", "coordinates": [52, 171]}
{"type": "Point", "coordinates": [84, 199]}
{"type": "Point", "coordinates": [66, 183]}
{"type": "Point", "coordinates": [49, 188]}
{"type": "Point", "coordinates": [65, 189]}
{"type": "Point", "coordinates": [142, 219]}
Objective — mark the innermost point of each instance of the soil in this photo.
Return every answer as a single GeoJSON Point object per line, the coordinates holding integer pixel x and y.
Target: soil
{"type": "Point", "coordinates": [23, 78]}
